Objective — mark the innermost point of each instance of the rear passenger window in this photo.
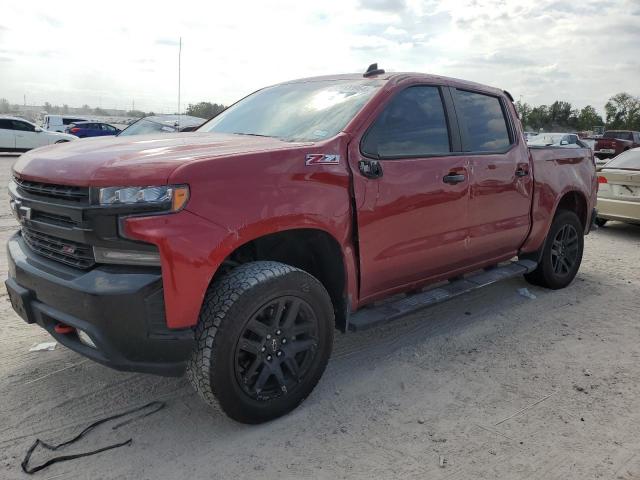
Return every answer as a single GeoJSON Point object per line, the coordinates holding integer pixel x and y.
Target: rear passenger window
{"type": "Point", "coordinates": [483, 120]}
{"type": "Point", "coordinates": [412, 125]}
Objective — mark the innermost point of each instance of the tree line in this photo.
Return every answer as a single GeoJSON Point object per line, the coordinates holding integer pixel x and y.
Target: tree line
{"type": "Point", "coordinates": [200, 109]}
{"type": "Point", "coordinates": [6, 107]}
{"type": "Point", "coordinates": [205, 109]}
{"type": "Point", "coordinates": [622, 113]}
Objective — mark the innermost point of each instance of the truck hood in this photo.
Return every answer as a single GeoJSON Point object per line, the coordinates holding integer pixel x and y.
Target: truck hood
{"type": "Point", "coordinates": [134, 160]}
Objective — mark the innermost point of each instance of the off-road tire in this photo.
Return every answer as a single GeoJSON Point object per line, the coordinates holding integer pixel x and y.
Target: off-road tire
{"type": "Point", "coordinates": [545, 275]}
{"type": "Point", "coordinates": [229, 305]}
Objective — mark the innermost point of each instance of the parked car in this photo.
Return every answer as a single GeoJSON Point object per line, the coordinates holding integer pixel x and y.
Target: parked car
{"type": "Point", "coordinates": [234, 251]}
{"type": "Point", "coordinates": [58, 123]}
{"type": "Point", "coordinates": [619, 189]}
{"type": "Point", "coordinates": [163, 124]}
{"type": "Point", "coordinates": [614, 142]}
{"type": "Point", "coordinates": [567, 140]}
{"type": "Point", "coordinates": [92, 129]}
{"type": "Point", "coordinates": [20, 135]}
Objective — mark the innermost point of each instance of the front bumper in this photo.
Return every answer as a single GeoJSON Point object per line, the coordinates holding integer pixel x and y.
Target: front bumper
{"type": "Point", "coordinates": [120, 307]}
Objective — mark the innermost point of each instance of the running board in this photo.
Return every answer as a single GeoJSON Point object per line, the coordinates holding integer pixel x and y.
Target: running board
{"type": "Point", "coordinates": [372, 316]}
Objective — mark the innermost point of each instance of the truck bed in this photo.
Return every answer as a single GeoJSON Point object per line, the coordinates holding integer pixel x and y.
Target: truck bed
{"type": "Point", "coordinates": [557, 171]}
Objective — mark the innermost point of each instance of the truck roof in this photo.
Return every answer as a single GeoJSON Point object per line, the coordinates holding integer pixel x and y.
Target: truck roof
{"type": "Point", "coordinates": [397, 77]}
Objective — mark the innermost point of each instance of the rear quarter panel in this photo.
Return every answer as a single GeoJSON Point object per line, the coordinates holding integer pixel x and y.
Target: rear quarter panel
{"type": "Point", "coordinates": [557, 172]}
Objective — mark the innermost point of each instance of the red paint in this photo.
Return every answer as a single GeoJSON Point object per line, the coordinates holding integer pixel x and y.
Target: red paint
{"type": "Point", "coordinates": [412, 228]}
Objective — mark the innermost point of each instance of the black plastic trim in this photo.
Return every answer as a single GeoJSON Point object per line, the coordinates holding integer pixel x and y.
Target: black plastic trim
{"type": "Point", "coordinates": [120, 307]}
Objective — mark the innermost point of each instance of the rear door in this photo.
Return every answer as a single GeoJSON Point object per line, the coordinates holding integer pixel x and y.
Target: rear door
{"type": "Point", "coordinates": [91, 130]}
{"type": "Point", "coordinates": [411, 192]}
{"type": "Point", "coordinates": [500, 175]}
{"type": "Point", "coordinates": [7, 135]}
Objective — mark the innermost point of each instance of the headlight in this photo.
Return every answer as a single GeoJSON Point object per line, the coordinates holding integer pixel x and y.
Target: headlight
{"type": "Point", "coordinates": [174, 195]}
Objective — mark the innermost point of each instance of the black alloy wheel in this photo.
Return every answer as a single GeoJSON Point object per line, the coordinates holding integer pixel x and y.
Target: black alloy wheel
{"type": "Point", "coordinates": [561, 255]}
{"type": "Point", "coordinates": [263, 340]}
{"type": "Point", "coordinates": [564, 250]}
{"type": "Point", "coordinates": [276, 348]}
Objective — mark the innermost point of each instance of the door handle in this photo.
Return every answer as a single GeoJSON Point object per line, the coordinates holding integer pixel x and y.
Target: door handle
{"type": "Point", "coordinates": [521, 172]}
{"type": "Point", "coordinates": [453, 178]}
{"type": "Point", "coordinates": [370, 168]}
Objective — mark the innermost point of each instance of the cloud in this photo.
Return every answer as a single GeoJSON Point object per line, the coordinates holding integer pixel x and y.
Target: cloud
{"type": "Point", "coordinates": [540, 50]}
{"type": "Point", "coordinates": [170, 42]}
{"type": "Point", "coordinates": [384, 5]}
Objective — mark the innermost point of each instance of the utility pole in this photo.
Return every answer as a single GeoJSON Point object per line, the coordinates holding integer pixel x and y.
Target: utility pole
{"type": "Point", "coordinates": [179, 72]}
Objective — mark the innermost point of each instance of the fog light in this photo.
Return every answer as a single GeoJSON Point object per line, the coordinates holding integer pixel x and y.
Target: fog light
{"type": "Point", "coordinates": [86, 339]}
{"type": "Point", "coordinates": [127, 257]}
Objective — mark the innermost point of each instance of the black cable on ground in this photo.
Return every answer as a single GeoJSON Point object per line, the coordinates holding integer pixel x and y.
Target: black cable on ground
{"type": "Point", "coordinates": [25, 463]}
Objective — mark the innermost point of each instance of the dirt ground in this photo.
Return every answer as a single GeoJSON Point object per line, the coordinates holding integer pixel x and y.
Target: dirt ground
{"type": "Point", "coordinates": [493, 385]}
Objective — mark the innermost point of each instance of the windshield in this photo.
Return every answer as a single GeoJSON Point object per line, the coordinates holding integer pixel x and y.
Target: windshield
{"type": "Point", "coordinates": [304, 111]}
{"type": "Point", "coordinates": [618, 135]}
{"type": "Point", "coordinates": [143, 126]}
{"type": "Point", "coordinates": [629, 160]}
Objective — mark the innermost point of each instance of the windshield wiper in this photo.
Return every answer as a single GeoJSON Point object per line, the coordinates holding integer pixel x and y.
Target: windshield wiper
{"type": "Point", "coordinates": [255, 135]}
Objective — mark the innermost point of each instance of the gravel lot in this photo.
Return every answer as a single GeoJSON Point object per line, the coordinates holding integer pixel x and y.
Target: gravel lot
{"type": "Point", "coordinates": [494, 384]}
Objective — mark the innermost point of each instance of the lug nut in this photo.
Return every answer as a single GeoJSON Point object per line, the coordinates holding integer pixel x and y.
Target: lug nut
{"type": "Point", "coordinates": [278, 353]}
{"type": "Point", "coordinates": [284, 340]}
{"type": "Point", "coordinates": [278, 332]}
{"type": "Point", "coordinates": [268, 336]}
{"type": "Point", "coordinates": [269, 357]}
{"type": "Point", "coordinates": [263, 349]}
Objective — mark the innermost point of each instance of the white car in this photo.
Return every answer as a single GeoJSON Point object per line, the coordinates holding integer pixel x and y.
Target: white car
{"type": "Point", "coordinates": [19, 135]}
{"type": "Point", "coordinates": [59, 123]}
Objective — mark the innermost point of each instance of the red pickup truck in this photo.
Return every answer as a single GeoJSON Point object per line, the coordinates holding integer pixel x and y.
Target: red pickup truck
{"type": "Point", "coordinates": [232, 252]}
{"type": "Point", "coordinates": [614, 142]}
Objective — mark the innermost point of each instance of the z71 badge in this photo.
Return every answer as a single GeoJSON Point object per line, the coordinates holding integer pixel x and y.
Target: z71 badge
{"type": "Point", "coordinates": [321, 159]}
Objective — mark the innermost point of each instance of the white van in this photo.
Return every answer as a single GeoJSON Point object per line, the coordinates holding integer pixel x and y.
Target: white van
{"type": "Point", "coordinates": [58, 123]}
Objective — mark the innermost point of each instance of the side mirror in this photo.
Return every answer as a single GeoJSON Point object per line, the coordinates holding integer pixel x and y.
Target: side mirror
{"type": "Point", "coordinates": [564, 142]}
{"type": "Point", "coordinates": [38, 129]}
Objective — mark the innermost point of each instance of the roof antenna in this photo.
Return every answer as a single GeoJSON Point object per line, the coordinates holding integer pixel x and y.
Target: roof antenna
{"type": "Point", "coordinates": [373, 70]}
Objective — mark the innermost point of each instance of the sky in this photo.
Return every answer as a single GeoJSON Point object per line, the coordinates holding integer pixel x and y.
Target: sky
{"type": "Point", "coordinates": [120, 54]}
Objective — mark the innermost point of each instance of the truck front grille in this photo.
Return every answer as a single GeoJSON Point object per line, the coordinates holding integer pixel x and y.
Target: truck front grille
{"type": "Point", "coordinates": [70, 253]}
{"type": "Point", "coordinates": [49, 190]}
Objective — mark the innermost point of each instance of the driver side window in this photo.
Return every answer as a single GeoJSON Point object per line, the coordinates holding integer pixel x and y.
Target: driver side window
{"type": "Point", "coordinates": [23, 126]}
{"type": "Point", "coordinates": [413, 124]}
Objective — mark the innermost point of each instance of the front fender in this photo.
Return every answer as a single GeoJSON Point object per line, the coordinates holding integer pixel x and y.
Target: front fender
{"type": "Point", "coordinates": [192, 249]}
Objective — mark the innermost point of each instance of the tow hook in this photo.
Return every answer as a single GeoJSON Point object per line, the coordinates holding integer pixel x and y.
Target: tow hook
{"type": "Point", "coordinates": [63, 329]}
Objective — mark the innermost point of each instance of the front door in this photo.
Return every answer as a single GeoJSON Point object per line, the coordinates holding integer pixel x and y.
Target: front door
{"type": "Point", "coordinates": [26, 136]}
{"type": "Point", "coordinates": [411, 193]}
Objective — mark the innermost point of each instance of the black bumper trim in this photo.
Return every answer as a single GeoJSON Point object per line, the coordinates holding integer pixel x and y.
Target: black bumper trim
{"type": "Point", "coordinates": [110, 304]}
